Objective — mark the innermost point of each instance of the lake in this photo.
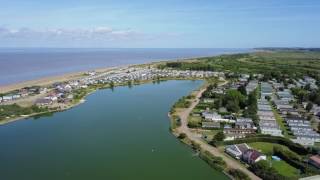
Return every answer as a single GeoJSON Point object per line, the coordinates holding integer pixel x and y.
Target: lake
{"type": "Point", "coordinates": [17, 65]}
{"type": "Point", "coordinates": [117, 135]}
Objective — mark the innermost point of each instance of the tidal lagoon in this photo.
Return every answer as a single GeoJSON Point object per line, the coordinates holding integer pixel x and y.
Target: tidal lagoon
{"type": "Point", "coordinates": [117, 135]}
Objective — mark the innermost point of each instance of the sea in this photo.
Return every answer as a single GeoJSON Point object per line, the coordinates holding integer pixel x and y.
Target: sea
{"type": "Point", "coordinates": [23, 64]}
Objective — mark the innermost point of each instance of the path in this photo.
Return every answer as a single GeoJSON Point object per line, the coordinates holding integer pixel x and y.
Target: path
{"type": "Point", "coordinates": [232, 163]}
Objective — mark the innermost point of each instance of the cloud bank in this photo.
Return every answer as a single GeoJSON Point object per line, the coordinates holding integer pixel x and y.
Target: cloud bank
{"type": "Point", "coordinates": [98, 33]}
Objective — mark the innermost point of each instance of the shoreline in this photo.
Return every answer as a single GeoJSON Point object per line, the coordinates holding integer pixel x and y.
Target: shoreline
{"type": "Point", "coordinates": [46, 80]}
{"type": "Point", "coordinates": [82, 100]}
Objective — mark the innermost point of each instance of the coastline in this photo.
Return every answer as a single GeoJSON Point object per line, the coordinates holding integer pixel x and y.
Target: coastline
{"type": "Point", "coordinates": [43, 81]}
{"type": "Point", "coordinates": [52, 79]}
{"type": "Point", "coordinates": [83, 100]}
{"type": "Point", "coordinates": [46, 81]}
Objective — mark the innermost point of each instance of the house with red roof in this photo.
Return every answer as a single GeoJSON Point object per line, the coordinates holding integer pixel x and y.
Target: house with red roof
{"type": "Point", "coordinates": [315, 161]}
{"type": "Point", "coordinates": [252, 156]}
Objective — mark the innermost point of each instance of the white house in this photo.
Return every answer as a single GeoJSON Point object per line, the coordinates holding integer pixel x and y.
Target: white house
{"type": "Point", "coordinates": [237, 150]}
{"type": "Point", "coordinates": [215, 117]}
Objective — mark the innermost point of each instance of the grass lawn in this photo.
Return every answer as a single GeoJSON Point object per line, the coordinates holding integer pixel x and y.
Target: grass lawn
{"type": "Point", "coordinates": [264, 147]}
{"type": "Point", "coordinates": [284, 168]}
{"type": "Point", "coordinates": [194, 121]}
{"type": "Point", "coordinates": [281, 123]}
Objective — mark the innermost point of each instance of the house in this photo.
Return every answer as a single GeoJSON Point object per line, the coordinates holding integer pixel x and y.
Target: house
{"type": "Point", "coordinates": [215, 117]}
{"type": "Point", "coordinates": [266, 90]}
{"type": "Point", "coordinates": [43, 90]}
{"type": "Point", "coordinates": [285, 95]}
{"type": "Point", "coordinates": [43, 102]}
{"type": "Point", "coordinates": [208, 100]}
{"type": "Point", "coordinates": [303, 142]}
{"type": "Point", "coordinates": [244, 123]}
{"type": "Point", "coordinates": [315, 161]}
{"type": "Point", "coordinates": [237, 150]}
{"type": "Point", "coordinates": [265, 113]}
{"type": "Point", "coordinates": [210, 125]}
{"type": "Point", "coordinates": [24, 92]}
{"type": "Point", "coordinates": [16, 96]}
{"type": "Point", "coordinates": [7, 98]}
{"type": "Point", "coordinates": [251, 86]}
{"type": "Point", "coordinates": [252, 156]}
{"type": "Point", "coordinates": [235, 133]}
{"type": "Point", "coordinates": [273, 131]}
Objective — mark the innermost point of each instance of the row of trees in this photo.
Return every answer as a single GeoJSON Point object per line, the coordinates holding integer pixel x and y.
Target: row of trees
{"type": "Point", "coordinates": [16, 110]}
{"type": "Point", "coordinates": [262, 169]}
{"type": "Point", "coordinates": [303, 95]}
{"type": "Point", "coordinates": [196, 66]}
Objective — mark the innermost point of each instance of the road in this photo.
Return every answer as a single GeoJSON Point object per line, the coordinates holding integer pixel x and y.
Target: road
{"type": "Point", "coordinates": [231, 163]}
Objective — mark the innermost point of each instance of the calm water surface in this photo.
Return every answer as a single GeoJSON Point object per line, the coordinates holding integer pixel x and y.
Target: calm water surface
{"type": "Point", "coordinates": [111, 136]}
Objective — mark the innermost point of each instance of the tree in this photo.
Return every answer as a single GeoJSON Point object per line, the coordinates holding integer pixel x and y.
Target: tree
{"type": "Point", "coordinates": [268, 98]}
{"type": "Point", "coordinates": [307, 87]}
{"type": "Point", "coordinates": [234, 100]}
{"type": "Point", "coordinates": [309, 106]}
{"type": "Point", "coordinates": [130, 84]}
{"type": "Point", "coordinates": [219, 136]}
{"type": "Point", "coordinates": [215, 85]}
{"type": "Point", "coordinates": [182, 136]}
{"type": "Point", "coordinates": [232, 106]}
{"type": "Point", "coordinates": [302, 95]}
{"type": "Point", "coordinates": [217, 103]}
{"type": "Point", "coordinates": [111, 84]}
{"type": "Point", "coordinates": [242, 90]}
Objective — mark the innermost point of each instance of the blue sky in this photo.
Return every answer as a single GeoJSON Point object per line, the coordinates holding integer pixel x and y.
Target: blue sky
{"type": "Point", "coordinates": [166, 23]}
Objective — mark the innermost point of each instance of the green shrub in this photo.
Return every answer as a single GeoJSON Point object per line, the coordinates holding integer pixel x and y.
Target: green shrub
{"type": "Point", "coordinates": [215, 162]}
{"type": "Point", "coordinates": [237, 174]}
{"type": "Point", "coordinates": [182, 136]}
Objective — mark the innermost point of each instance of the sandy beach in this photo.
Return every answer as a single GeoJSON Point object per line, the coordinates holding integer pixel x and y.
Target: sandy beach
{"type": "Point", "coordinates": [50, 80]}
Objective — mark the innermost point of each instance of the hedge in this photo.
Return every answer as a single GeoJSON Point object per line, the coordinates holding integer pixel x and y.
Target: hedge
{"type": "Point", "coordinates": [297, 148]}
{"type": "Point", "coordinates": [215, 162]}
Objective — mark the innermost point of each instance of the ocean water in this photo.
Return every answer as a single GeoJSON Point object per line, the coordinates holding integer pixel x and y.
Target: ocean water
{"type": "Point", "coordinates": [115, 135]}
{"type": "Point", "coordinates": [17, 65]}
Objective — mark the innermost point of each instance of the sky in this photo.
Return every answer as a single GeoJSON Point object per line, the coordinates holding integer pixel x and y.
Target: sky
{"type": "Point", "coordinates": [160, 24]}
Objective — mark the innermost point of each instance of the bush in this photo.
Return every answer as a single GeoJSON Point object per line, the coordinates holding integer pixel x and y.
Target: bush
{"type": "Point", "coordinates": [219, 136]}
{"type": "Point", "coordinates": [215, 162]}
{"type": "Point", "coordinates": [195, 146]}
{"type": "Point", "coordinates": [263, 170]}
{"type": "Point", "coordinates": [237, 174]}
{"type": "Point", "coordinates": [182, 136]}
{"type": "Point", "coordinates": [14, 110]}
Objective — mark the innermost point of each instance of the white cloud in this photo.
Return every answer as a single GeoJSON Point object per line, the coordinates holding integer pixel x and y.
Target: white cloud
{"type": "Point", "coordinates": [98, 33]}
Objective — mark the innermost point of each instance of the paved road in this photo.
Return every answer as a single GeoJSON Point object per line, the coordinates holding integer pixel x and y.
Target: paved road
{"type": "Point", "coordinates": [232, 163]}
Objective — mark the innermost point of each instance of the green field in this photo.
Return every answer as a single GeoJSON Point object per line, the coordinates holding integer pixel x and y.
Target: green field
{"type": "Point", "coordinates": [264, 147]}
{"type": "Point", "coordinates": [284, 168]}
{"type": "Point", "coordinates": [272, 63]}
{"type": "Point", "coordinates": [194, 121]}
